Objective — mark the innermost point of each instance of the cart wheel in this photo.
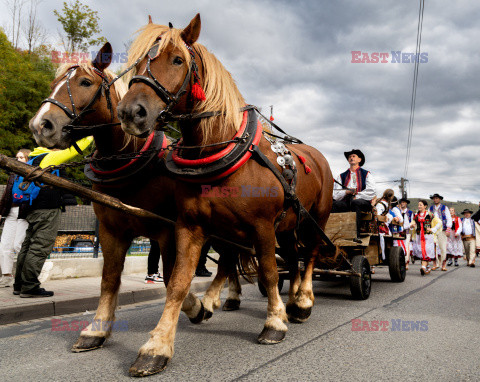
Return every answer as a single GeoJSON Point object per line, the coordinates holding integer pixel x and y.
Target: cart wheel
{"type": "Point", "coordinates": [396, 265]}
{"type": "Point", "coordinates": [360, 286]}
{"type": "Point", "coordinates": [263, 291]}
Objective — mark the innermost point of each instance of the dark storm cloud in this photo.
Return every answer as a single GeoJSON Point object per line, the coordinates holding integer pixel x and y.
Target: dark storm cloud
{"type": "Point", "coordinates": [296, 55]}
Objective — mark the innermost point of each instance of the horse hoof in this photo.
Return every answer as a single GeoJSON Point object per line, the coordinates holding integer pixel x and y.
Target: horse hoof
{"type": "Point", "coordinates": [270, 336]}
{"type": "Point", "coordinates": [207, 315]}
{"type": "Point", "coordinates": [231, 304]}
{"type": "Point", "coordinates": [298, 315]}
{"type": "Point", "coordinates": [147, 365]}
{"type": "Point", "coordinates": [86, 343]}
{"type": "Point", "coordinates": [199, 317]}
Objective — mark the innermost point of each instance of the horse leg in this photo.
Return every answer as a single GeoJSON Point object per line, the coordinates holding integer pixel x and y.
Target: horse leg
{"type": "Point", "coordinates": [191, 305]}
{"type": "Point", "coordinates": [211, 299]}
{"type": "Point", "coordinates": [234, 291]}
{"type": "Point", "coordinates": [300, 308]}
{"type": "Point", "coordinates": [154, 355]}
{"type": "Point", "coordinates": [274, 329]}
{"type": "Point", "coordinates": [289, 252]}
{"type": "Point", "coordinates": [114, 248]}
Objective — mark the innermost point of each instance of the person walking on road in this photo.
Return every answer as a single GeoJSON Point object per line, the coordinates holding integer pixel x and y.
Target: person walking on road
{"type": "Point", "coordinates": [407, 215]}
{"type": "Point", "coordinates": [468, 236]}
{"type": "Point", "coordinates": [43, 221]}
{"type": "Point", "coordinates": [14, 228]}
{"type": "Point", "coordinates": [443, 213]}
{"type": "Point", "coordinates": [153, 275]}
{"type": "Point", "coordinates": [454, 240]}
{"type": "Point", "coordinates": [423, 244]}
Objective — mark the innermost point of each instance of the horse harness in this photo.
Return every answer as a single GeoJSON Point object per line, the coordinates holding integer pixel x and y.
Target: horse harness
{"type": "Point", "coordinates": [242, 147]}
{"type": "Point", "coordinates": [152, 153]}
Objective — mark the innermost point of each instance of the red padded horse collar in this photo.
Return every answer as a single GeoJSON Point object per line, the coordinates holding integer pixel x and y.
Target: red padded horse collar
{"type": "Point", "coordinates": [223, 163]}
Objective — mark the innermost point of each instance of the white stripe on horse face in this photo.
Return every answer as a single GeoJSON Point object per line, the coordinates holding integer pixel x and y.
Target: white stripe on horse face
{"type": "Point", "coordinates": [46, 106]}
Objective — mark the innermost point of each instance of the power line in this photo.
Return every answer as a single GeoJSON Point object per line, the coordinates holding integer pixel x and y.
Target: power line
{"type": "Point", "coordinates": [414, 85]}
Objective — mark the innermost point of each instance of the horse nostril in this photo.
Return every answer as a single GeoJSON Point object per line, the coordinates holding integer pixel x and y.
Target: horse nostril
{"type": "Point", "coordinates": [46, 124]}
{"type": "Point", "coordinates": [141, 112]}
{"type": "Point", "coordinates": [121, 113]}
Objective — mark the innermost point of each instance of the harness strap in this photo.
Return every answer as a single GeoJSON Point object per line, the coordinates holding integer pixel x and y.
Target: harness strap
{"type": "Point", "coordinates": [291, 199]}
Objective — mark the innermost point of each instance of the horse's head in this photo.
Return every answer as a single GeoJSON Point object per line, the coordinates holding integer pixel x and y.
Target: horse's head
{"type": "Point", "coordinates": [167, 69]}
{"type": "Point", "coordinates": [80, 96]}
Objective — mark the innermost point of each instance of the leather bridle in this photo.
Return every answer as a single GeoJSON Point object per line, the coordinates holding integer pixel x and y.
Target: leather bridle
{"type": "Point", "coordinates": [72, 113]}
{"type": "Point", "coordinates": [167, 97]}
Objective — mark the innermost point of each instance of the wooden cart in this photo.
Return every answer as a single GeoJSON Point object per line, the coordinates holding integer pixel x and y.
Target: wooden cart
{"type": "Point", "coordinates": [354, 259]}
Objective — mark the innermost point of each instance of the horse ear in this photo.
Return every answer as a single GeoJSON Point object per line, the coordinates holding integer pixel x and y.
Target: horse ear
{"type": "Point", "coordinates": [192, 31]}
{"type": "Point", "coordinates": [150, 19]}
{"type": "Point", "coordinates": [104, 57]}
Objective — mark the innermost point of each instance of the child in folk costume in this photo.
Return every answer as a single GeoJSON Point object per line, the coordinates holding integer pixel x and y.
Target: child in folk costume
{"type": "Point", "coordinates": [407, 216]}
{"type": "Point", "coordinates": [383, 210]}
{"type": "Point", "coordinates": [468, 237]}
{"type": "Point", "coordinates": [454, 240]}
{"type": "Point", "coordinates": [423, 244]}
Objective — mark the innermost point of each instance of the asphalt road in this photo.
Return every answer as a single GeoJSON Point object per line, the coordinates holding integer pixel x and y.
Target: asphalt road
{"type": "Point", "coordinates": [443, 346]}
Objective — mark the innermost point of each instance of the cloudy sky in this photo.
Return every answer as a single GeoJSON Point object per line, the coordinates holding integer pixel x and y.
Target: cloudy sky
{"type": "Point", "coordinates": [297, 56]}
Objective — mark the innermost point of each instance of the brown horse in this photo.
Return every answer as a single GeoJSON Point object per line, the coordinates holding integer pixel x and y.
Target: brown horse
{"type": "Point", "coordinates": [51, 126]}
{"type": "Point", "coordinates": [173, 68]}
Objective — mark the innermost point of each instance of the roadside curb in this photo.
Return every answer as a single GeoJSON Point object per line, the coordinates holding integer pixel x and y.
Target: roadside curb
{"type": "Point", "coordinates": [49, 308]}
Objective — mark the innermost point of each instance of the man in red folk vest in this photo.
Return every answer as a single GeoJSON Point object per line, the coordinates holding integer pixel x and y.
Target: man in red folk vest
{"type": "Point", "coordinates": [355, 188]}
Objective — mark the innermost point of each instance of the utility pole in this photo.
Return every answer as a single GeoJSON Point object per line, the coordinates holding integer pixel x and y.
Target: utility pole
{"type": "Point", "coordinates": [402, 187]}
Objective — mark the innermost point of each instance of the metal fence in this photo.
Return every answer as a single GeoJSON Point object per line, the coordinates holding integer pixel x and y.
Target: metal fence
{"type": "Point", "coordinates": [78, 235]}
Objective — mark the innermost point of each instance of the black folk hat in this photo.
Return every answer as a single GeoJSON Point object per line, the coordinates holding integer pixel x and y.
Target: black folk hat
{"type": "Point", "coordinates": [436, 196]}
{"type": "Point", "coordinates": [359, 154]}
{"type": "Point", "coordinates": [466, 210]}
{"type": "Point", "coordinates": [404, 200]}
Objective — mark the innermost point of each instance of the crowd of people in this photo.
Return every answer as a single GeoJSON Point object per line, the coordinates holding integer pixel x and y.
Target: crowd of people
{"type": "Point", "coordinates": [434, 234]}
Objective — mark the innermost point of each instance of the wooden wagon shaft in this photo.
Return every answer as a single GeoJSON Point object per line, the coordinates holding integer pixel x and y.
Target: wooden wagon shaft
{"type": "Point", "coordinates": [333, 272]}
{"type": "Point", "coordinates": [105, 200]}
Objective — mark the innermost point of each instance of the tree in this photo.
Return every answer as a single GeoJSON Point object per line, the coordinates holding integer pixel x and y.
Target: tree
{"type": "Point", "coordinates": [15, 8]}
{"type": "Point", "coordinates": [24, 83]}
{"type": "Point", "coordinates": [35, 33]}
{"type": "Point", "coordinates": [80, 24]}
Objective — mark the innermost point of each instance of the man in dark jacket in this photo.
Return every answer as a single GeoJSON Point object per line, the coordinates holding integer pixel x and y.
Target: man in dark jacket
{"type": "Point", "coordinates": [43, 222]}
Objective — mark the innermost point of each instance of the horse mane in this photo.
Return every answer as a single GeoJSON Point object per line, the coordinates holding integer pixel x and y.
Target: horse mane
{"type": "Point", "coordinates": [220, 89]}
{"type": "Point", "coordinates": [120, 86]}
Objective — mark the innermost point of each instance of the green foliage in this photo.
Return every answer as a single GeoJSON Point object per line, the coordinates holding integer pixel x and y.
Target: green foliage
{"type": "Point", "coordinates": [80, 24]}
{"type": "Point", "coordinates": [24, 83]}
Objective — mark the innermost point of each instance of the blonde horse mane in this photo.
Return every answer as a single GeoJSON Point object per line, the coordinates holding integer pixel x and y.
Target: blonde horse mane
{"type": "Point", "coordinates": [120, 87]}
{"type": "Point", "coordinates": [220, 89]}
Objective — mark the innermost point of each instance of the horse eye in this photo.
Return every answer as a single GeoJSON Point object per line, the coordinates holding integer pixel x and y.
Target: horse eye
{"type": "Point", "coordinates": [85, 83]}
{"type": "Point", "coordinates": [177, 61]}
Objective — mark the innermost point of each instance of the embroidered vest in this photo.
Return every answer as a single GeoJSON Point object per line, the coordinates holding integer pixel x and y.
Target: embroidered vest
{"type": "Point", "coordinates": [426, 224]}
{"type": "Point", "coordinates": [443, 214]}
{"type": "Point", "coordinates": [361, 178]}
{"type": "Point", "coordinates": [473, 226]}
{"type": "Point", "coordinates": [395, 228]}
